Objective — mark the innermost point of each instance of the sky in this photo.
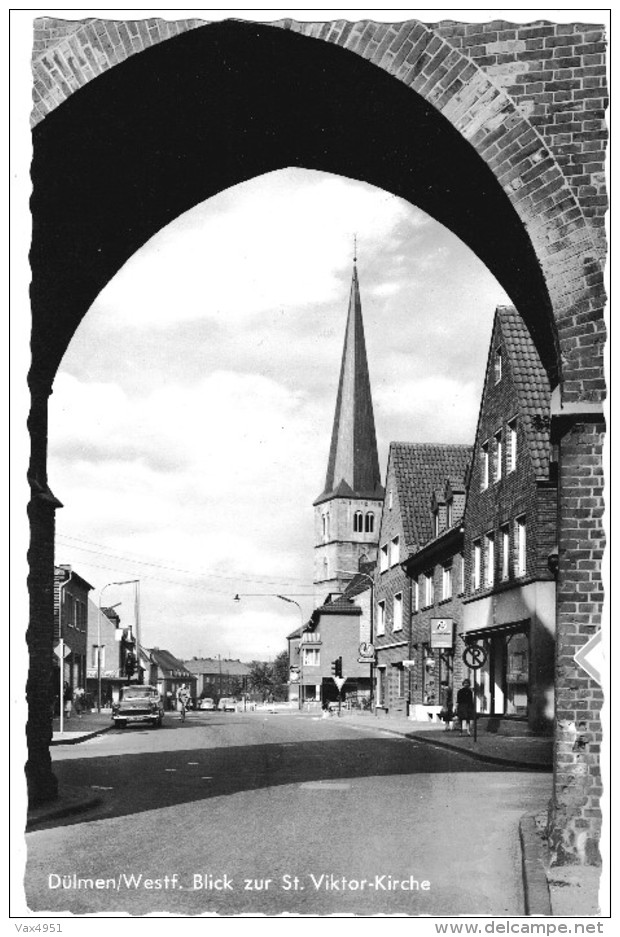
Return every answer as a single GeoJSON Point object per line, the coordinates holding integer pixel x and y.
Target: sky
{"type": "Point", "coordinates": [191, 417]}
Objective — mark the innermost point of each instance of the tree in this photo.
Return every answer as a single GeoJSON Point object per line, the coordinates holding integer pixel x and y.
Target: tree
{"type": "Point", "coordinates": [281, 672]}
{"type": "Point", "coordinates": [260, 678]}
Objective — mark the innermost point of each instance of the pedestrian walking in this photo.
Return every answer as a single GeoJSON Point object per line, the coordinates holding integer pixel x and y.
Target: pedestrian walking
{"type": "Point", "coordinates": [465, 708]}
{"type": "Point", "coordinates": [447, 710]}
{"type": "Point", "coordinates": [78, 701]}
{"type": "Point", "coordinates": [67, 697]}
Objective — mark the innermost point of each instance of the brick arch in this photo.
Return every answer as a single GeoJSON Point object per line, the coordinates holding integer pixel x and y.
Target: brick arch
{"type": "Point", "coordinates": [470, 95]}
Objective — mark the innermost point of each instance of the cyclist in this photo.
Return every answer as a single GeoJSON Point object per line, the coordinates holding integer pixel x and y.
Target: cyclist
{"type": "Point", "coordinates": [182, 700]}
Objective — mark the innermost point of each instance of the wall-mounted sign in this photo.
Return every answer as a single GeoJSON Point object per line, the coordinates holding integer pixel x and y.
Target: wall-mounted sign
{"type": "Point", "coordinates": [367, 653]}
{"type": "Point", "coordinates": [442, 632]}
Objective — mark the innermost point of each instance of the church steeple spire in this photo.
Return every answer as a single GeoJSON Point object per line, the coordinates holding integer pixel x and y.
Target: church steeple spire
{"type": "Point", "coordinates": [353, 465]}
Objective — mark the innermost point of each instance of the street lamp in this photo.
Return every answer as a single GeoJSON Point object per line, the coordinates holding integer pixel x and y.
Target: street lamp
{"type": "Point", "coordinates": [354, 573]}
{"type": "Point", "coordinates": [284, 598]}
{"type": "Point", "coordinates": [124, 582]}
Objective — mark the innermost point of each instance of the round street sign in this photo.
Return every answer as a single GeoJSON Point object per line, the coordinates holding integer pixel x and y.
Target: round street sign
{"type": "Point", "coordinates": [474, 656]}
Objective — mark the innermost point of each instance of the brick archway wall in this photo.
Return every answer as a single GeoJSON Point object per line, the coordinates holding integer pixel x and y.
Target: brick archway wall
{"type": "Point", "coordinates": [530, 101]}
{"type": "Point", "coordinates": [529, 98]}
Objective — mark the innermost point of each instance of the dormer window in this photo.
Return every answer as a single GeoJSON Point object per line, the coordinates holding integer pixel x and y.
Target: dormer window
{"type": "Point", "coordinates": [498, 365]}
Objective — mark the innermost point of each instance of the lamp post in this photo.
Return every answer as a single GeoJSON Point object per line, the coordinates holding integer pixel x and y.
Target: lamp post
{"type": "Point", "coordinates": [124, 582]}
{"type": "Point", "coordinates": [284, 598]}
{"type": "Point", "coordinates": [354, 573]}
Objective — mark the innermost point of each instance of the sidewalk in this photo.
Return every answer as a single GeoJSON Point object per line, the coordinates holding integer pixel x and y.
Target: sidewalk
{"type": "Point", "coordinates": [562, 891]}
{"type": "Point", "coordinates": [82, 727]}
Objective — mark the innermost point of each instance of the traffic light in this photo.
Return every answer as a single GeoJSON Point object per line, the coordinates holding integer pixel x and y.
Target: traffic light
{"type": "Point", "coordinates": [334, 668]}
{"type": "Point", "coordinates": [338, 666]}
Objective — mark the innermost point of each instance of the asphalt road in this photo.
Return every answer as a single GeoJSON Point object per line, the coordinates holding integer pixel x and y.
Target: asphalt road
{"type": "Point", "coordinates": [283, 813]}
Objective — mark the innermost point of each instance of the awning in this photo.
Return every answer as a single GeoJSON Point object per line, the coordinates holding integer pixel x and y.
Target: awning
{"type": "Point", "coordinates": [512, 627]}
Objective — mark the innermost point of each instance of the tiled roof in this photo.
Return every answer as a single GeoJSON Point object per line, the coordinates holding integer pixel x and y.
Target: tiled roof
{"type": "Point", "coordinates": [419, 469]}
{"type": "Point", "coordinates": [213, 664]}
{"type": "Point", "coordinates": [531, 384]}
{"type": "Point", "coordinates": [169, 663]}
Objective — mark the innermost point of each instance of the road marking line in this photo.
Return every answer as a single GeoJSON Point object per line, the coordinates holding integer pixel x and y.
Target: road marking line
{"type": "Point", "coordinates": [193, 762]}
{"type": "Point", "coordinates": [206, 778]}
{"type": "Point", "coordinates": [170, 769]}
{"type": "Point", "coordinates": [100, 787]}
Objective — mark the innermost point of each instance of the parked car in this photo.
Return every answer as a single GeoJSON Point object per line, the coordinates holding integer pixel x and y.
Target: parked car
{"type": "Point", "coordinates": [227, 704]}
{"type": "Point", "coordinates": [138, 704]}
{"type": "Point", "coordinates": [206, 703]}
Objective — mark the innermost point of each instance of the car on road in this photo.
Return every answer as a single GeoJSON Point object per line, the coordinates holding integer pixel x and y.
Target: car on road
{"type": "Point", "coordinates": [206, 703]}
{"type": "Point", "coordinates": [138, 704]}
{"type": "Point", "coordinates": [227, 704]}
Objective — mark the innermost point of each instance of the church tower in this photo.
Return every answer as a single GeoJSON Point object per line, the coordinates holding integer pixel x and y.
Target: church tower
{"type": "Point", "coordinates": [347, 513]}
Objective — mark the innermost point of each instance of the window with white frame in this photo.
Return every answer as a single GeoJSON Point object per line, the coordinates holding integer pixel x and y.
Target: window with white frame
{"type": "Point", "coordinates": [505, 535]}
{"type": "Point", "coordinates": [489, 566]}
{"type": "Point", "coordinates": [384, 563]}
{"type": "Point", "coordinates": [358, 522]}
{"type": "Point", "coordinates": [499, 455]}
{"type": "Point", "coordinates": [98, 652]}
{"type": "Point", "coordinates": [461, 573]}
{"type": "Point", "coordinates": [446, 581]}
{"type": "Point", "coordinates": [381, 617]}
{"type": "Point", "coordinates": [497, 365]}
{"type": "Point", "coordinates": [475, 569]}
{"type": "Point", "coordinates": [511, 447]}
{"type": "Point", "coordinates": [521, 546]}
{"type": "Point", "coordinates": [400, 681]}
{"type": "Point", "coordinates": [398, 612]}
{"type": "Point", "coordinates": [415, 595]}
{"type": "Point", "coordinates": [310, 657]}
{"type": "Point", "coordinates": [370, 523]}
{"type": "Point", "coordinates": [429, 591]}
{"type": "Point", "coordinates": [395, 551]}
{"type": "Point", "coordinates": [484, 466]}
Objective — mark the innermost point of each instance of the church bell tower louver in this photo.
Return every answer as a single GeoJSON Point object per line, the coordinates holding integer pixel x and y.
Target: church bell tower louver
{"type": "Point", "coordinates": [347, 512]}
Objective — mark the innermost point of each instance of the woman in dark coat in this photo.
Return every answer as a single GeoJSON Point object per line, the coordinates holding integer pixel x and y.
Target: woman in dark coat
{"type": "Point", "coordinates": [465, 709]}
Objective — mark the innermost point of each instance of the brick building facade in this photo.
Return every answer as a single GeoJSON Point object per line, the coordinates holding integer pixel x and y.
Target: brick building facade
{"type": "Point", "coordinates": [71, 613]}
{"type": "Point", "coordinates": [415, 473]}
{"type": "Point", "coordinates": [511, 531]}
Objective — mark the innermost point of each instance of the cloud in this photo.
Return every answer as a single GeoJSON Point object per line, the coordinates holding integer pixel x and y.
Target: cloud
{"type": "Point", "coordinates": [288, 234]}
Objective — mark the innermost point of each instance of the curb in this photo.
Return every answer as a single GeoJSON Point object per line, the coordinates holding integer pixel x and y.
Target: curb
{"type": "Point", "coordinates": [535, 885]}
{"type": "Point", "coordinates": [478, 756]}
{"type": "Point", "coordinates": [44, 815]}
{"type": "Point", "coordinates": [82, 738]}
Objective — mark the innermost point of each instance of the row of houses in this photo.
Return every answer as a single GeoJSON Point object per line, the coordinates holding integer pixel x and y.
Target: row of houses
{"type": "Point", "coordinates": [96, 652]}
{"type": "Point", "coordinates": [458, 548]}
